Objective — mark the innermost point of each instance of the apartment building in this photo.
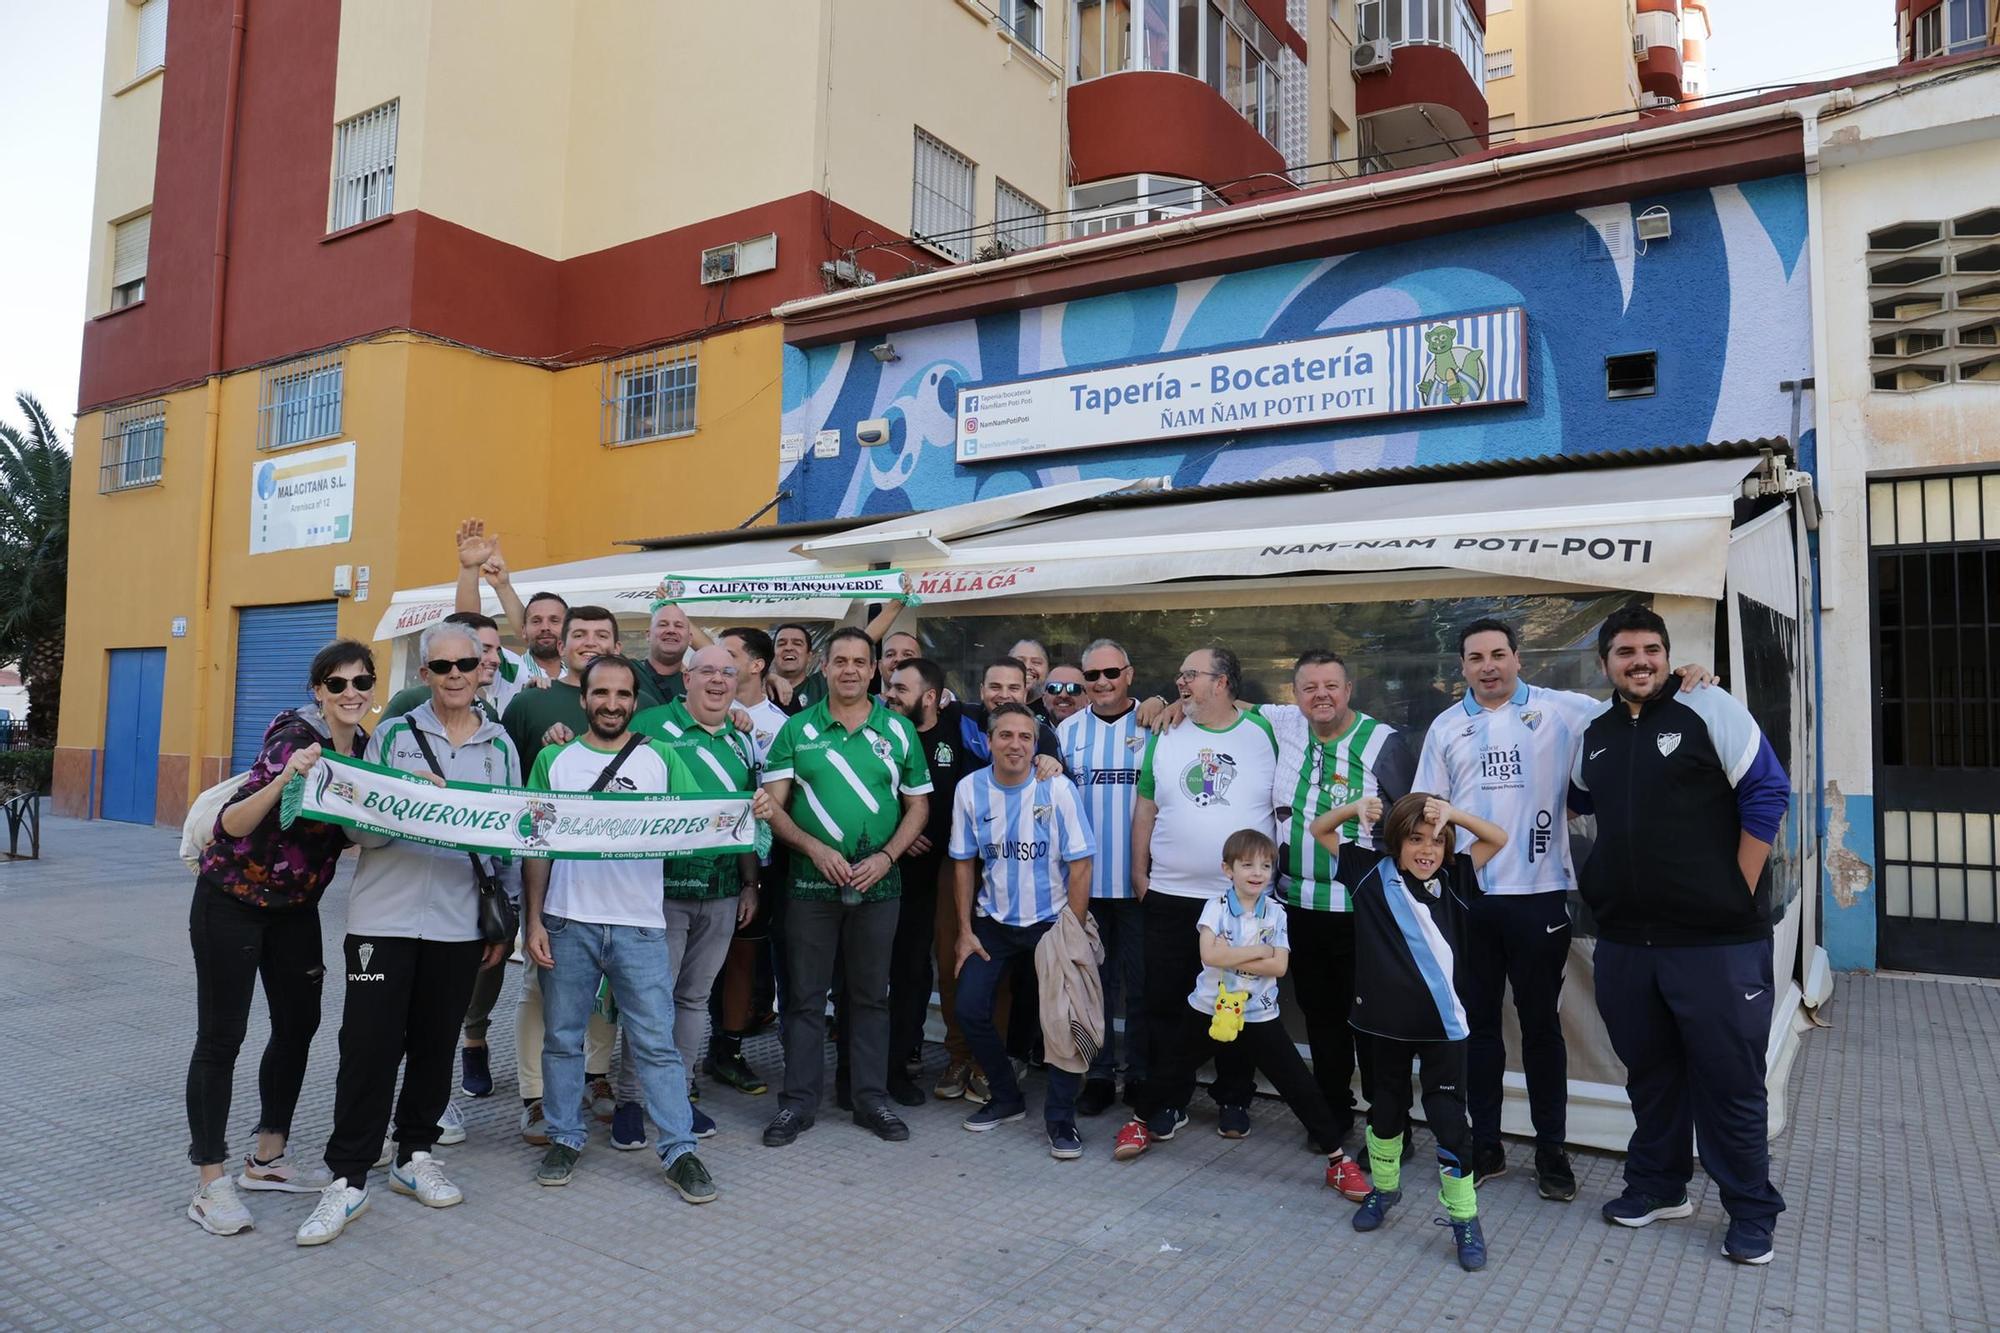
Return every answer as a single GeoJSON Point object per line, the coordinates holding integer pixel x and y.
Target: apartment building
{"type": "Point", "coordinates": [1928, 28]}
{"type": "Point", "coordinates": [1560, 66]}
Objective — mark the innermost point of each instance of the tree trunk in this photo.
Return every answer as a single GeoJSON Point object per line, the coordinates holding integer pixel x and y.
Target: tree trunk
{"type": "Point", "coordinates": [41, 672]}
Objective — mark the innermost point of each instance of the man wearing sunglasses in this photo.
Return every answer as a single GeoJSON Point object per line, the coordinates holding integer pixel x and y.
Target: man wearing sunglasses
{"type": "Point", "coordinates": [1102, 747]}
{"type": "Point", "coordinates": [493, 695]}
{"type": "Point", "coordinates": [1063, 692]}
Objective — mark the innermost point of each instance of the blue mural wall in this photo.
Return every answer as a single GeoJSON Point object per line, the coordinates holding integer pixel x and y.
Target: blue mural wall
{"type": "Point", "coordinates": [1723, 302]}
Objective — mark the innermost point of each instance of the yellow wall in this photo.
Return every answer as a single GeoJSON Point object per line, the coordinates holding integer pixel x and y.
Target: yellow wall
{"type": "Point", "coordinates": [128, 139]}
{"type": "Point", "coordinates": [1330, 50]}
{"type": "Point", "coordinates": [1571, 58]}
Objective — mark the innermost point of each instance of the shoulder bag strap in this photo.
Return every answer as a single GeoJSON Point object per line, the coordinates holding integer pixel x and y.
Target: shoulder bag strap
{"type": "Point", "coordinates": [611, 769]}
{"type": "Point", "coordinates": [479, 873]}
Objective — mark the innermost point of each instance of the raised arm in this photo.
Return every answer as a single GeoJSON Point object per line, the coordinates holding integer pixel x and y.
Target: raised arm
{"type": "Point", "coordinates": [1491, 837]}
{"type": "Point", "coordinates": [1326, 828]}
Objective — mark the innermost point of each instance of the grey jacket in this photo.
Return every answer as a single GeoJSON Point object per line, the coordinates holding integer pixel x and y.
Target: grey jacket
{"type": "Point", "coordinates": [410, 889]}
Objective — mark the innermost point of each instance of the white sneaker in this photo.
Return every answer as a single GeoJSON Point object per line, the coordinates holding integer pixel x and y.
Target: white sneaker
{"type": "Point", "coordinates": [422, 1178]}
{"type": "Point", "coordinates": [451, 1125]}
{"type": "Point", "coordinates": [216, 1209]}
{"type": "Point", "coordinates": [339, 1204]}
{"type": "Point", "coordinates": [283, 1175]}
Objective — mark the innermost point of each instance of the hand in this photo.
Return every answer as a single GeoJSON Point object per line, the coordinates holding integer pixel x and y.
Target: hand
{"type": "Point", "coordinates": [431, 778]}
{"type": "Point", "coordinates": [494, 955]}
{"type": "Point", "coordinates": [302, 759]}
{"type": "Point", "coordinates": [536, 945]}
{"type": "Point", "coordinates": [832, 866]}
{"type": "Point", "coordinates": [535, 682]}
{"type": "Point", "coordinates": [746, 905]}
{"type": "Point", "coordinates": [1149, 714]}
{"type": "Point", "coordinates": [558, 734]}
{"type": "Point", "coordinates": [494, 571]}
{"type": "Point", "coordinates": [920, 847]}
{"type": "Point", "coordinates": [742, 720]}
{"type": "Point", "coordinates": [968, 945]}
{"type": "Point", "coordinates": [1368, 809]}
{"type": "Point", "coordinates": [762, 806]}
{"type": "Point", "coordinates": [475, 548]}
{"type": "Point", "coordinates": [779, 689]}
{"type": "Point", "coordinates": [1694, 676]}
{"type": "Point", "coordinates": [1047, 766]}
{"type": "Point", "coordinates": [866, 875]}
{"type": "Point", "coordinates": [1438, 813]}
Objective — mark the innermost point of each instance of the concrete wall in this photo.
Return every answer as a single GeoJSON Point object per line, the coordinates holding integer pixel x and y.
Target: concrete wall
{"type": "Point", "coordinates": [127, 138]}
{"type": "Point", "coordinates": [1571, 58]}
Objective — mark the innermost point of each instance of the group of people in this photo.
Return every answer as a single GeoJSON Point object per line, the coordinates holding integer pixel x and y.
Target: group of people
{"type": "Point", "coordinates": [1053, 838]}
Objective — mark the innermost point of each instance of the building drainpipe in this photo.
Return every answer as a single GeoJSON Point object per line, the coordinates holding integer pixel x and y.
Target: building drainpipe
{"type": "Point", "coordinates": [204, 620]}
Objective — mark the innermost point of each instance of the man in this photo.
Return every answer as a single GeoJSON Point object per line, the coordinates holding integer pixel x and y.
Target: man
{"type": "Point", "coordinates": [493, 693]}
{"type": "Point", "coordinates": [589, 921]}
{"type": "Point", "coordinates": [1504, 754]}
{"type": "Point", "coordinates": [668, 634]}
{"type": "Point", "coordinates": [792, 667]}
{"type": "Point", "coordinates": [1102, 748]}
{"type": "Point", "coordinates": [897, 648]}
{"type": "Point", "coordinates": [1065, 694]}
{"type": "Point", "coordinates": [849, 786]}
{"type": "Point", "coordinates": [1034, 658]}
{"type": "Point", "coordinates": [708, 896]}
{"type": "Point", "coordinates": [1689, 796]}
{"type": "Point", "coordinates": [1198, 784]}
{"type": "Point", "coordinates": [539, 619]}
{"type": "Point", "coordinates": [1034, 846]}
{"type": "Point", "coordinates": [730, 1005]}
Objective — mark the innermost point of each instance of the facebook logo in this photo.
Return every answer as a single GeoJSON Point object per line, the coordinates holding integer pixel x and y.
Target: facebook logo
{"type": "Point", "coordinates": [968, 402]}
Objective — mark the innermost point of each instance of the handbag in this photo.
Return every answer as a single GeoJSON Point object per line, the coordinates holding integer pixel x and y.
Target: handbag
{"type": "Point", "coordinates": [499, 919]}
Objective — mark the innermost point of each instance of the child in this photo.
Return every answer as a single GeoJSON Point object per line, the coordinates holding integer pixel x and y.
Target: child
{"type": "Point", "coordinates": [1409, 913]}
{"type": "Point", "coordinates": [1244, 950]}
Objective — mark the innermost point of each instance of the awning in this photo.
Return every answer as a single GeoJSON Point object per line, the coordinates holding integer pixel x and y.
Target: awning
{"type": "Point", "coordinates": [1658, 528]}
{"type": "Point", "coordinates": [921, 538]}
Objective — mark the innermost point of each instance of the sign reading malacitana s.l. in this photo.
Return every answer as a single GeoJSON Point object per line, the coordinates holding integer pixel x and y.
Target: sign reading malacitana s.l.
{"type": "Point", "coordinates": [1427, 365]}
{"type": "Point", "coordinates": [302, 499]}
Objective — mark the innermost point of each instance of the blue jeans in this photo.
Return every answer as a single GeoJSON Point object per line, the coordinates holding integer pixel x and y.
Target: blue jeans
{"type": "Point", "coordinates": [976, 984]}
{"type": "Point", "coordinates": [635, 958]}
{"type": "Point", "coordinates": [1121, 925]}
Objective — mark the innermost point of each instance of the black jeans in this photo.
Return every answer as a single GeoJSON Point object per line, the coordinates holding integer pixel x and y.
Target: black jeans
{"type": "Point", "coordinates": [1266, 1046]}
{"type": "Point", "coordinates": [235, 944]}
{"type": "Point", "coordinates": [1323, 984]}
{"type": "Point", "coordinates": [1441, 1069]}
{"type": "Point", "coordinates": [405, 1001]}
{"type": "Point", "coordinates": [1173, 961]}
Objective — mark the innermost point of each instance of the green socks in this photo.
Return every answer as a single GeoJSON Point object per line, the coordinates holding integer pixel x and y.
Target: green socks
{"type": "Point", "coordinates": [1385, 1162]}
{"type": "Point", "coordinates": [1455, 1192]}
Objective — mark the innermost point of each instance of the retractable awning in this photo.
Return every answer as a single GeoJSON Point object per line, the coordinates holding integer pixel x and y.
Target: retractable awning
{"type": "Point", "coordinates": [1658, 528]}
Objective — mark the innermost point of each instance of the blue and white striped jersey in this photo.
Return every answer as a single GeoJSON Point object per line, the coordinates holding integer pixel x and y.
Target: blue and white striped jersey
{"type": "Point", "coordinates": [1102, 756]}
{"type": "Point", "coordinates": [1511, 765]}
{"type": "Point", "coordinates": [1025, 835]}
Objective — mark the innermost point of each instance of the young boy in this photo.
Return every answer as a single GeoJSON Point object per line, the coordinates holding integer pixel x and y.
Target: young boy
{"type": "Point", "coordinates": [1244, 950]}
{"type": "Point", "coordinates": [1409, 914]}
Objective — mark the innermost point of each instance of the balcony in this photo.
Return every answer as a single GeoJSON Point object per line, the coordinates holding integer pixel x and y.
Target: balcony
{"type": "Point", "coordinates": [1137, 122]}
{"type": "Point", "coordinates": [1425, 98]}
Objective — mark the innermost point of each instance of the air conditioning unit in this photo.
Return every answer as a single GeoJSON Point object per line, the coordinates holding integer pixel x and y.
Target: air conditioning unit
{"type": "Point", "coordinates": [1639, 45]}
{"type": "Point", "coordinates": [1369, 57]}
{"type": "Point", "coordinates": [1651, 100]}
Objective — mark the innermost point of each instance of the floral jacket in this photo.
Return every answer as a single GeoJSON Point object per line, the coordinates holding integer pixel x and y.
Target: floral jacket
{"type": "Point", "coordinates": [273, 866]}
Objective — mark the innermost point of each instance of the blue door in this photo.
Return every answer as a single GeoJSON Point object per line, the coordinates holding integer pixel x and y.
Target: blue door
{"type": "Point", "coordinates": [132, 733]}
{"type": "Point", "coordinates": [275, 646]}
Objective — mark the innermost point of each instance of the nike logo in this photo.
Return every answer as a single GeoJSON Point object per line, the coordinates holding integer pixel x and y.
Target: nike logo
{"type": "Point", "coordinates": [1598, 751]}
{"type": "Point", "coordinates": [1753, 994]}
{"type": "Point", "coordinates": [1550, 930]}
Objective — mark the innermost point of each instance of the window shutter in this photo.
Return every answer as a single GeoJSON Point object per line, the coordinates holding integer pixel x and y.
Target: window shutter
{"type": "Point", "coordinates": [152, 35]}
{"type": "Point", "coordinates": [128, 249]}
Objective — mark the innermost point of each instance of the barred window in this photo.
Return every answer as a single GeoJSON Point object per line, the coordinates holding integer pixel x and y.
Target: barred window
{"type": "Point", "coordinates": [650, 396]}
{"type": "Point", "coordinates": [301, 401]}
{"type": "Point", "coordinates": [135, 445]}
{"type": "Point", "coordinates": [364, 173]}
{"type": "Point", "coordinates": [130, 240]}
{"type": "Point", "coordinates": [152, 36]}
{"type": "Point", "coordinates": [1933, 288]}
{"type": "Point", "coordinates": [941, 198]}
{"type": "Point", "coordinates": [1018, 221]}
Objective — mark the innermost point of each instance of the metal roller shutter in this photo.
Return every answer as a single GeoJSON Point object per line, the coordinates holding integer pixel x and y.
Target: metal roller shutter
{"type": "Point", "coordinates": [274, 653]}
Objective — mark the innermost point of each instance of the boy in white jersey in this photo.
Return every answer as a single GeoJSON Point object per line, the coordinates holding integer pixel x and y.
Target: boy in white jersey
{"type": "Point", "coordinates": [1102, 746]}
{"type": "Point", "coordinates": [589, 920]}
{"type": "Point", "coordinates": [1504, 754]}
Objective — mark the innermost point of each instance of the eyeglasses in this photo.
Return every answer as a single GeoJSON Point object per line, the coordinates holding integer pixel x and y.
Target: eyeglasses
{"type": "Point", "coordinates": [339, 684]}
{"type": "Point", "coordinates": [444, 666]}
{"type": "Point", "coordinates": [1106, 673]}
{"type": "Point", "coordinates": [1190, 675]}
{"type": "Point", "coordinates": [728, 671]}
{"type": "Point", "coordinates": [1060, 687]}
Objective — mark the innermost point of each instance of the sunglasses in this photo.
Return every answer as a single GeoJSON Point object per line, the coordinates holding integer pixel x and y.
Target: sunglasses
{"type": "Point", "coordinates": [1104, 673]}
{"type": "Point", "coordinates": [444, 666]}
{"type": "Point", "coordinates": [1060, 687]}
{"type": "Point", "coordinates": [339, 684]}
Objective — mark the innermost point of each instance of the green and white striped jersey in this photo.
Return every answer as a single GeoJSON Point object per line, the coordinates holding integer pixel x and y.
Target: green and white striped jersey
{"type": "Point", "coordinates": [847, 786]}
{"type": "Point", "coordinates": [721, 761]}
{"type": "Point", "coordinates": [1368, 758]}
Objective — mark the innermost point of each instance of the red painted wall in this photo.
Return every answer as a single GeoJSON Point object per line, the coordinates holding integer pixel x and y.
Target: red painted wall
{"type": "Point", "coordinates": [1424, 74]}
{"type": "Point", "coordinates": [1169, 123]}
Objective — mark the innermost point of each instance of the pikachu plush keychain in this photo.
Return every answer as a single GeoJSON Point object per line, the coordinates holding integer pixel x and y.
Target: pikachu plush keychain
{"type": "Point", "coordinates": [1228, 1020]}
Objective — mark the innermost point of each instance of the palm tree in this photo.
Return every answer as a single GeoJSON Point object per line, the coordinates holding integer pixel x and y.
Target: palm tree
{"type": "Point", "coordinates": [34, 560]}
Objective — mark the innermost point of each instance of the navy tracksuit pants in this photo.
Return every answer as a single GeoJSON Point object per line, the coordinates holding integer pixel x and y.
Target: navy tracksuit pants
{"type": "Point", "coordinates": [1691, 1024]}
{"type": "Point", "coordinates": [1522, 940]}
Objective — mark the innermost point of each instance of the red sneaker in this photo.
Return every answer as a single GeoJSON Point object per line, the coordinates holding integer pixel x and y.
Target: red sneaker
{"type": "Point", "coordinates": [1134, 1139]}
{"type": "Point", "coordinates": [1343, 1175]}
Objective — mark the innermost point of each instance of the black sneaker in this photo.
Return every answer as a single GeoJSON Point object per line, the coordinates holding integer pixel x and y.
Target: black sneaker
{"type": "Point", "coordinates": [1747, 1243]}
{"type": "Point", "coordinates": [1065, 1144]}
{"type": "Point", "coordinates": [785, 1127]}
{"type": "Point", "coordinates": [883, 1123]}
{"type": "Point", "coordinates": [992, 1115]}
{"type": "Point", "coordinates": [475, 1077]}
{"type": "Point", "coordinates": [558, 1165]}
{"type": "Point", "coordinates": [690, 1179]}
{"type": "Point", "coordinates": [1633, 1209]}
{"type": "Point", "coordinates": [1489, 1162]}
{"type": "Point", "coordinates": [1553, 1176]}
{"type": "Point", "coordinates": [1096, 1097]}
{"type": "Point", "coordinates": [905, 1092]}
{"type": "Point", "coordinates": [734, 1071]}
{"type": "Point", "coordinates": [1233, 1122]}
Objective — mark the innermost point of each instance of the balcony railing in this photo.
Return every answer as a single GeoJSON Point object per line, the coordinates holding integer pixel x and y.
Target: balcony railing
{"type": "Point", "coordinates": [1446, 23]}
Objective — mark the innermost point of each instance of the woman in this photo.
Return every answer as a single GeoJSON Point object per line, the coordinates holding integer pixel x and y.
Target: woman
{"type": "Point", "coordinates": [256, 913]}
{"type": "Point", "coordinates": [413, 949]}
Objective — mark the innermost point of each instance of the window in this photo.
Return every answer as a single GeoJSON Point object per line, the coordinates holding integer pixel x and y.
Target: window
{"type": "Point", "coordinates": [1018, 221]}
{"type": "Point", "coordinates": [152, 36]}
{"type": "Point", "coordinates": [1499, 130]}
{"type": "Point", "coordinates": [650, 396]}
{"type": "Point", "coordinates": [1931, 298]}
{"type": "Point", "coordinates": [1025, 18]}
{"type": "Point", "coordinates": [1221, 42]}
{"type": "Point", "coordinates": [1965, 24]}
{"type": "Point", "coordinates": [941, 198]}
{"type": "Point", "coordinates": [364, 173]}
{"type": "Point", "coordinates": [1103, 37]}
{"type": "Point", "coordinates": [1133, 201]}
{"type": "Point", "coordinates": [1928, 36]}
{"type": "Point", "coordinates": [1634, 375]}
{"type": "Point", "coordinates": [1448, 23]}
{"type": "Point", "coordinates": [135, 443]}
{"type": "Point", "coordinates": [301, 401]}
{"type": "Point", "coordinates": [1500, 64]}
{"type": "Point", "coordinates": [130, 240]}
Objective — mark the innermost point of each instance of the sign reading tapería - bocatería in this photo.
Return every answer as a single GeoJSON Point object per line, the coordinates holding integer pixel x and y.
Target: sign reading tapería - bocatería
{"type": "Point", "coordinates": [1425, 366]}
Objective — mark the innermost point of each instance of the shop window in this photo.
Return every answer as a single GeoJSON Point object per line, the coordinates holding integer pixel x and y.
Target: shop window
{"type": "Point", "coordinates": [364, 173]}
{"type": "Point", "coordinates": [135, 446]}
{"type": "Point", "coordinates": [1633, 375]}
{"type": "Point", "coordinates": [651, 396]}
{"type": "Point", "coordinates": [941, 198]}
{"type": "Point", "coordinates": [301, 402]}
